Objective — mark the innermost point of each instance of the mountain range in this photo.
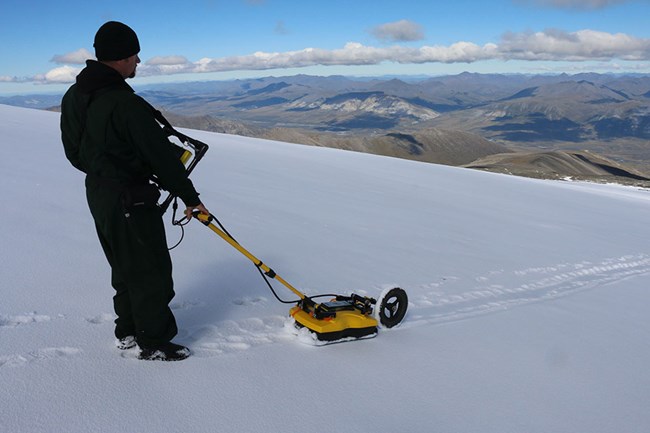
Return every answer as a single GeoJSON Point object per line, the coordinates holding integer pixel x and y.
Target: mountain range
{"type": "Point", "coordinates": [449, 119]}
{"type": "Point", "coordinates": [604, 114]}
{"type": "Point", "coordinates": [503, 107]}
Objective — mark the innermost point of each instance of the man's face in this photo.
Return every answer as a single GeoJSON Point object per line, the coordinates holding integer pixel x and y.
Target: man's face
{"type": "Point", "coordinates": [130, 66]}
{"type": "Point", "coordinates": [126, 67]}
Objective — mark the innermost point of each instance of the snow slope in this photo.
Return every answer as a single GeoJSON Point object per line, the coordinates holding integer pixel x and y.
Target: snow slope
{"type": "Point", "coordinates": [528, 298]}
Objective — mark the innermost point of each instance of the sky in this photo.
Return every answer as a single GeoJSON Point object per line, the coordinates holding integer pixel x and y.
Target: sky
{"type": "Point", "coordinates": [45, 44]}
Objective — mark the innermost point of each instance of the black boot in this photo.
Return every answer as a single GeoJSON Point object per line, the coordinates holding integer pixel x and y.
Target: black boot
{"type": "Point", "coordinates": [164, 352]}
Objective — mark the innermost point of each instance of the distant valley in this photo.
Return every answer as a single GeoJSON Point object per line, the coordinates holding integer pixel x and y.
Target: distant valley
{"type": "Point", "coordinates": [451, 119]}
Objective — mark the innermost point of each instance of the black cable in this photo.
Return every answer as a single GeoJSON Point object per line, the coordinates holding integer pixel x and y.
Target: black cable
{"type": "Point", "coordinates": [178, 223]}
{"type": "Point", "coordinates": [179, 241]}
{"type": "Point", "coordinates": [184, 221]}
{"type": "Point", "coordinates": [268, 283]}
{"type": "Point", "coordinates": [323, 295]}
{"type": "Point", "coordinates": [264, 277]}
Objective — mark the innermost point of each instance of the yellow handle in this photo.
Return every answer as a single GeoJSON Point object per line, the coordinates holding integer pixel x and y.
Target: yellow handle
{"type": "Point", "coordinates": [207, 221]}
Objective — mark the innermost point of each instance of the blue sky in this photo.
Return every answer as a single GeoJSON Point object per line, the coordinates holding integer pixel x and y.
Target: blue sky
{"type": "Point", "coordinates": [44, 45]}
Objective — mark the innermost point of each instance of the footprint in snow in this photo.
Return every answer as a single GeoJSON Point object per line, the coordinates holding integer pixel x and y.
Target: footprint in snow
{"type": "Point", "coordinates": [22, 319]}
{"type": "Point", "coordinates": [45, 354]}
{"type": "Point", "coordinates": [186, 305]}
{"type": "Point", "coordinates": [236, 336]}
{"type": "Point", "coordinates": [102, 318]}
{"type": "Point", "coordinates": [248, 301]}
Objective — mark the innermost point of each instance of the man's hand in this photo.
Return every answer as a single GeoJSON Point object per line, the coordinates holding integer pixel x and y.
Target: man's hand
{"type": "Point", "coordinates": [199, 207]}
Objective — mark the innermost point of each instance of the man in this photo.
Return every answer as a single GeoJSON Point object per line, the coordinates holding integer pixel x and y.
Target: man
{"type": "Point", "coordinates": [111, 134]}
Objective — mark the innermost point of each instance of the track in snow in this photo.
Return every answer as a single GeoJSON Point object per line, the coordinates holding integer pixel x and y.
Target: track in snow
{"type": "Point", "coordinates": [429, 304]}
{"type": "Point", "coordinates": [439, 303]}
{"type": "Point", "coordinates": [500, 290]}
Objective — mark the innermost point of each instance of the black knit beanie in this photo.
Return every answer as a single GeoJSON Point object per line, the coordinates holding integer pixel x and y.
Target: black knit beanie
{"type": "Point", "coordinates": [115, 41]}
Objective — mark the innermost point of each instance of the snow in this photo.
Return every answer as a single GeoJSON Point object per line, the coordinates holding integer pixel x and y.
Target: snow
{"type": "Point", "coordinates": [528, 298]}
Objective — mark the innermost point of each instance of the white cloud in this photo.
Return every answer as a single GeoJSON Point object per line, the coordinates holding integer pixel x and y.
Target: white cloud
{"type": "Point", "coordinates": [351, 54]}
{"type": "Point", "coordinates": [399, 31]}
{"type": "Point", "coordinates": [167, 60]}
{"type": "Point", "coordinates": [460, 52]}
{"type": "Point", "coordinates": [582, 45]}
{"type": "Point", "coordinates": [549, 45]}
{"type": "Point", "coordinates": [62, 74]}
{"type": "Point", "coordinates": [78, 57]}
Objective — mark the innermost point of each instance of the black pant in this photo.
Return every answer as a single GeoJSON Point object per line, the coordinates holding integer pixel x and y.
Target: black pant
{"type": "Point", "coordinates": [141, 268]}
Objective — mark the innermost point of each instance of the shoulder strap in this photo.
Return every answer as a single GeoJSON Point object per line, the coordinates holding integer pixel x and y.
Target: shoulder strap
{"type": "Point", "coordinates": [167, 126]}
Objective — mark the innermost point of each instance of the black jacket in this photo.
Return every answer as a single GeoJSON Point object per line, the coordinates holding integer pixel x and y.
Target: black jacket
{"type": "Point", "coordinates": [111, 133]}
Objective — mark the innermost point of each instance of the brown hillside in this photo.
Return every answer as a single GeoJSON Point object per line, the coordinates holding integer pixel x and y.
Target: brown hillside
{"type": "Point", "coordinates": [430, 145]}
{"type": "Point", "coordinates": [559, 164]}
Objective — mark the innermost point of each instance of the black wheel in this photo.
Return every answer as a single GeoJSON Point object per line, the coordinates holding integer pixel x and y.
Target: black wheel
{"type": "Point", "coordinates": [391, 307]}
